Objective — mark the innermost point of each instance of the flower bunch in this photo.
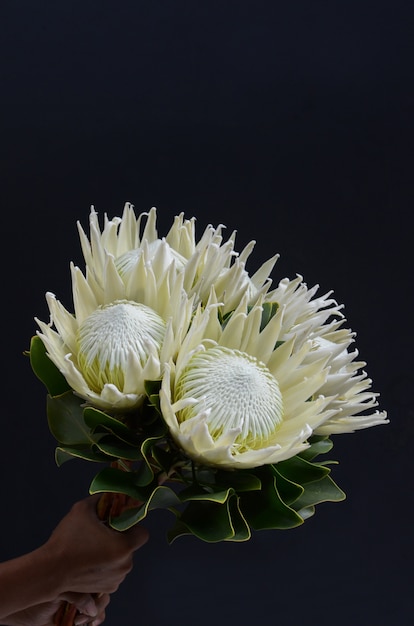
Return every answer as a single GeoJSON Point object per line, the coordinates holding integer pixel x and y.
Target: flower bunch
{"type": "Point", "coordinates": [200, 388]}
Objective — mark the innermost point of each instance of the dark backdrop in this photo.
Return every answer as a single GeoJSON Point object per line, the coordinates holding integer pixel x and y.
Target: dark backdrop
{"type": "Point", "coordinates": [290, 122]}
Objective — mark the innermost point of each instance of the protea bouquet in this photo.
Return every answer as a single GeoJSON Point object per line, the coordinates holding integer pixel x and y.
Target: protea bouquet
{"type": "Point", "coordinates": [199, 387]}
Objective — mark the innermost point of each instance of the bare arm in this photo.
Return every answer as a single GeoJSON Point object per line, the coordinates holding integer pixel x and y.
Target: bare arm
{"type": "Point", "coordinates": [27, 580]}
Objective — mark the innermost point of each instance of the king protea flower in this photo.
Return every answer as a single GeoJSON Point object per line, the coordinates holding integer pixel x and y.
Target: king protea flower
{"type": "Point", "coordinates": [245, 394]}
{"type": "Point", "coordinates": [119, 335]}
{"type": "Point", "coordinates": [203, 264]}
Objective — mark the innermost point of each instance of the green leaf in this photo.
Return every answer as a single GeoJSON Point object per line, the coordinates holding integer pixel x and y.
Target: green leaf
{"type": "Point", "coordinates": [205, 476]}
{"type": "Point", "coordinates": [318, 446]}
{"type": "Point", "coordinates": [242, 530]}
{"type": "Point", "coordinates": [300, 471]}
{"type": "Point", "coordinates": [288, 490]}
{"type": "Point", "coordinates": [66, 453]}
{"type": "Point", "coordinates": [96, 419]}
{"type": "Point", "coordinates": [45, 369]}
{"type": "Point", "coordinates": [266, 510]}
{"type": "Point", "coordinates": [196, 492]}
{"type": "Point", "coordinates": [239, 480]}
{"type": "Point", "coordinates": [113, 447]}
{"type": "Point", "coordinates": [66, 422]}
{"type": "Point", "coordinates": [212, 522]}
{"type": "Point", "coordinates": [114, 480]}
{"type": "Point", "coordinates": [152, 389]}
{"type": "Point", "coordinates": [325, 490]}
{"type": "Point", "coordinates": [162, 497]}
{"type": "Point", "coordinates": [146, 470]}
{"type": "Point", "coordinates": [306, 512]}
{"type": "Point", "coordinates": [164, 458]}
{"type": "Point", "coordinates": [269, 309]}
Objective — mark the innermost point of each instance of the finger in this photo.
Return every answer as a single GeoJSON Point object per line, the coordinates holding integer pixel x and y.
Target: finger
{"type": "Point", "coordinates": [102, 601]}
{"type": "Point", "coordinates": [82, 619]}
{"type": "Point", "coordinates": [84, 602]}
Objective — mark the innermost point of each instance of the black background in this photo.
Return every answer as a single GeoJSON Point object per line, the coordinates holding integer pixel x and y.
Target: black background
{"type": "Point", "coordinates": [290, 122]}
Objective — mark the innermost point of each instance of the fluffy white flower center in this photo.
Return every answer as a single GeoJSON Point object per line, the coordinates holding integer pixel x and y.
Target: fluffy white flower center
{"type": "Point", "coordinates": [127, 261]}
{"type": "Point", "coordinates": [108, 338]}
{"type": "Point", "coordinates": [236, 390]}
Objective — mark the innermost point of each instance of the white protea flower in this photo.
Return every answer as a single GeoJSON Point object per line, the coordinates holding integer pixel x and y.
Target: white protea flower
{"type": "Point", "coordinates": [120, 334]}
{"type": "Point", "coordinates": [233, 400]}
{"type": "Point", "coordinates": [204, 263]}
{"type": "Point", "coordinates": [240, 397]}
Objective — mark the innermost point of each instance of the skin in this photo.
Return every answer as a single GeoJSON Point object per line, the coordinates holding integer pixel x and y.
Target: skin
{"type": "Point", "coordinates": [89, 608]}
{"type": "Point", "coordinates": [82, 562]}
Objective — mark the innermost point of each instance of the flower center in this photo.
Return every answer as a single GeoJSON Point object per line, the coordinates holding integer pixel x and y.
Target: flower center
{"type": "Point", "coordinates": [108, 338]}
{"type": "Point", "coordinates": [237, 390]}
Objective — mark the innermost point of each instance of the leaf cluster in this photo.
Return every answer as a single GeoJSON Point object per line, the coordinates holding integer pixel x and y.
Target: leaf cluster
{"type": "Point", "coordinates": [141, 461]}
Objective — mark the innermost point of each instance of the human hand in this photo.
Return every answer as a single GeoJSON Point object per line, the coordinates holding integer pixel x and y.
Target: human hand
{"type": "Point", "coordinates": [89, 557]}
{"type": "Point", "coordinates": [91, 610]}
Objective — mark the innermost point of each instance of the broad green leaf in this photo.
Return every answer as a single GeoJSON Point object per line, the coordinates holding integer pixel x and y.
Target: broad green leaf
{"type": "Point", "coordinates": [66, 453]}
{"type": "Point", "coordinates": [239, 528]}
{"type": "Point", "coordinates": [198, 493]}
{"type": "Point", "coordinates": [114, 480]}
{"type": "Point", "coordinates": [239, 480]}
{"type": "Point", "coordinates": [45, 369]}
{"type": "Point", "coordinates": [203, 476]}
{"type": "Point", "coordinates": [96, 419]}
{"type": "Point", "coordinates": [145, 473]}
{"type": "Point", "coordinates": [112, 446]}
{"type": "Point", "coordinates": [307, 512]}
{"type": "Point", "coordinates": [147, 468]}
{"type": "Point", "coordinates": [242, 530]}
{"type": "Point", "coordinates": [66, 422]}
{"type": "Point", "coordinates": [325, 490]}
{"type": "Point", "coordinates": [265, 509]}
{"type": "Point", "coordinates": [300, 471]}
{"type": "Point", "coordinates": [164, 458]}
{"type": "Point", "coordinates": [317, 446]}
{"type": "Point", "coordinates": [162, 497]}
{"type": "Point", "coordinates": [288, 490]}
{"type": "Point", "coordinates": [210, 521]}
